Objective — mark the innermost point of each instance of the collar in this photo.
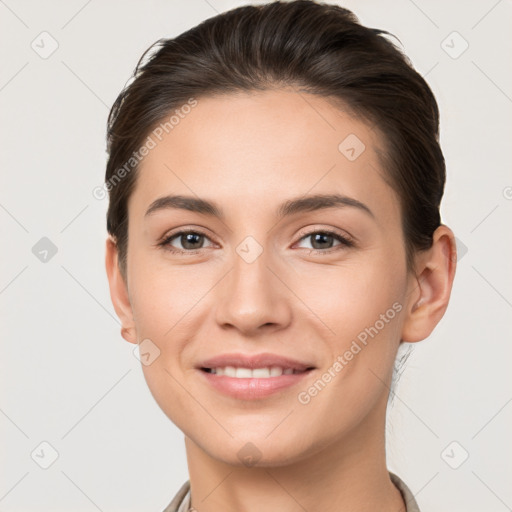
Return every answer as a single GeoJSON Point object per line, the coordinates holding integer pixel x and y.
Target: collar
{"type": "Point", "coordinates": [181, 502]}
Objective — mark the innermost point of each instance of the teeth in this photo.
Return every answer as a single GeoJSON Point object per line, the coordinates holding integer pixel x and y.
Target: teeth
{"type": "Point", "coordinates": [261, 373]}
{"type": "Point", "coordinates": [230, 371]}
{"type": "Point", "coordinates": [256, 373]}
{"type": "Point", "coordinates": [243, 373]}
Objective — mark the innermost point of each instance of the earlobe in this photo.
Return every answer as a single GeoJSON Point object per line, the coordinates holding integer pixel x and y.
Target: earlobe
{"type": "Point", "coordinates": [119, 292]}
{"type": "Point", "coordinates": [128, 333]}
{"type": "Point", "coordinates": [430, 290]}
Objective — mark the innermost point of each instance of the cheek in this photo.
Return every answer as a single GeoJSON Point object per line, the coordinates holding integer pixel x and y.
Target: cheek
{"type": "Point", "coordinates": [163, 294]}
{"type": "Point", "coordinates": [168, 391]}
{"type": "Point", "coordinates": [164, 301]}
{"type": "Point", "coordinates": [361, 305]}
{"type": "Point", "coordinates": [351, 297]}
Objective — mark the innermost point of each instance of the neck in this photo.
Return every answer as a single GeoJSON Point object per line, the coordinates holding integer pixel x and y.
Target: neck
{"type": "Point", "coordinates": [348, 474]}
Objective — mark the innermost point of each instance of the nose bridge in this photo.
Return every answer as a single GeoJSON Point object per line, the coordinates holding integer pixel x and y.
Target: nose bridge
{"type": "Point", "coordinates": [251, 295]}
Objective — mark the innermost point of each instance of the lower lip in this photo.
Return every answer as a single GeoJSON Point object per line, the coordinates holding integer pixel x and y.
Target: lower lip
{"type": "Point", "coordinates": [252, 388]}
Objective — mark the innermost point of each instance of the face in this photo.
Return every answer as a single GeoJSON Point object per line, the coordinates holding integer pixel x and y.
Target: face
{"type": "Point", "coordinates": [270, 279]}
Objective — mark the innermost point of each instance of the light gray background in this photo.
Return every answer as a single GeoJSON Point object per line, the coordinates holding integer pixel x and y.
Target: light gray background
{"type": "Point", "coordinates": [67, 376]}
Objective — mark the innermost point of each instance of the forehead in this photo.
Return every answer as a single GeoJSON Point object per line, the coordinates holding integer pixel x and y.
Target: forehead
{"type": "Point", "coordinates": [259, 148]}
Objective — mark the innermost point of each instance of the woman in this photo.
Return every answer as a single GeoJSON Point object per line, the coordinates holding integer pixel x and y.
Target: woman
{"type": "Point", "coordinates": [275, 180]}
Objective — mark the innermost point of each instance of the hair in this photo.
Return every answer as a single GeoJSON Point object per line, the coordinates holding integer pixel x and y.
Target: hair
{"type": "Point", "coordinates": [321, 49]}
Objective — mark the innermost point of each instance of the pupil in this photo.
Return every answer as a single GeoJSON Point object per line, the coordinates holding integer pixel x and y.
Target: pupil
{"type": "Point", "coordinates": [322, 237]}
{"type": "Point", "coordinates": [190, 239]}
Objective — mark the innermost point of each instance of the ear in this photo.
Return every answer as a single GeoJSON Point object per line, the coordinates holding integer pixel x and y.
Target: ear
{"type": "Point", "coordinates": [119, 292]}
{"type": "Point", "coordinates": [431, 286]}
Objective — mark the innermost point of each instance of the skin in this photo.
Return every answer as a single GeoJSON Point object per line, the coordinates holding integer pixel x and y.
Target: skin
{"type": "Point", "coordinates": [249, 153]}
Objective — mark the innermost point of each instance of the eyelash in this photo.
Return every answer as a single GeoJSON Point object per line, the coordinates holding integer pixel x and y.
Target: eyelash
{"type": "Point", "coordinates": [345, 242]}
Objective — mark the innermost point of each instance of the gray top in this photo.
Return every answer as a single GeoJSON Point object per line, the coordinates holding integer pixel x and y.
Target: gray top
{"type": "Point", "coordinates": [181, 502]}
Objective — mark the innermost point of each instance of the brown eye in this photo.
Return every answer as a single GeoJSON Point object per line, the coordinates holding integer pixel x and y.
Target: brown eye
{"type": "Point", "coordinates": [189, 240]}
{"type": "Point", "coordinates": [323, 241]}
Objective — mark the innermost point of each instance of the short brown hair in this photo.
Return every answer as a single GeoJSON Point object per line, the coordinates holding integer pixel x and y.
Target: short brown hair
{"type": "Point", "coordinates": [320, 48]}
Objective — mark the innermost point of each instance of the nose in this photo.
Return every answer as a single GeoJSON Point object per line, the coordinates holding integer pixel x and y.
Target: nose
{"type": "Point", "coordinates": [252, 298]}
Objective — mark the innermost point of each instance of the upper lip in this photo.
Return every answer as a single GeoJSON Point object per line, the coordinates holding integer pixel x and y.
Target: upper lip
{"type": "Point", "coordinates": [254, 361]}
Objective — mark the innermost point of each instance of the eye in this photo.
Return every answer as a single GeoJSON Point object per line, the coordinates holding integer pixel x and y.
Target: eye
{"type": "Point", "coordinates": [190, 241]}
{"type": "Point", "coordinates": [322, 241]}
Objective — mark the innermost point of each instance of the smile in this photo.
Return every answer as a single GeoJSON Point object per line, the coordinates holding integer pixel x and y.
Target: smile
{"type": "Point", "coordinates": [252, 373]}
{"type": "Point", "coordinates": [252, 376]}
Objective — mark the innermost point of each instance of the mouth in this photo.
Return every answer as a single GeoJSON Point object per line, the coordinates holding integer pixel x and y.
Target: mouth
{"type": "Point", "coordinates": [247, 377]}
{"type": "Point", "coordinates": [267, 372]}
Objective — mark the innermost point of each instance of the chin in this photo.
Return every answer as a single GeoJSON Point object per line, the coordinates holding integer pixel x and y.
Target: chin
{"type": "Point", "coordinates": [257, 451]}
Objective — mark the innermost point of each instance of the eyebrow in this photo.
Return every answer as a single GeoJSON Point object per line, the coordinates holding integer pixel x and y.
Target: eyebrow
{"type": "Point", "coordinates": [288, 208]}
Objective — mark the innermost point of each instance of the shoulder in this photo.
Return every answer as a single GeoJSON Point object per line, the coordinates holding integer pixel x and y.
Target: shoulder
{"type": "Point", "coordinates": [410, 501]}
{"type": "Point", "coordinates": [180, 502]}
{"type": "Point", "coordinates": [181, 498]}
